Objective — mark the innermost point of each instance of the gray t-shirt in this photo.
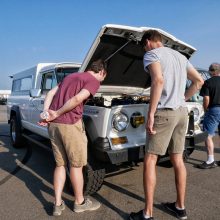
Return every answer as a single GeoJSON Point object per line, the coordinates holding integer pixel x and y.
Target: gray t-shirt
{"type": "Point", "coordinates": [174, 69]}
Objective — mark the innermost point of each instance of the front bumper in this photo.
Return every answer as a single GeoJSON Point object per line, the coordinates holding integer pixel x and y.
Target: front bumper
{"type": "Point", "coordinates": [102, 151]}
{"type": "Point", "coordinates": [192, 140]}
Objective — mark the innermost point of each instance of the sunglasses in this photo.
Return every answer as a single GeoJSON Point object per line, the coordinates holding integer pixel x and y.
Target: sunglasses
{"type": "Point", "coordinates": [211, 69]}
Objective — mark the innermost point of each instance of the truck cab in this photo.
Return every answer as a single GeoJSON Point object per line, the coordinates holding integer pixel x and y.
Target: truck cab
{"type": "Point", "coordinates": [26, 101]}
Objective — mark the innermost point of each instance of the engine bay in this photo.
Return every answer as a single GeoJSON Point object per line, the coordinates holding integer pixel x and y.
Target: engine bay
{"type": "Point", "coordinates": [112, 100]}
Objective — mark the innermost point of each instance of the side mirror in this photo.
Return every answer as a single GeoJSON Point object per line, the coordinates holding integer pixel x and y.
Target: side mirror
{"type": "Point", "coordinates": [35, 93]}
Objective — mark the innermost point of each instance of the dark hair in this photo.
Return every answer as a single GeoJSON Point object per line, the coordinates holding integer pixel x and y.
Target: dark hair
{"type": "Point", "coordinates": [98, 65]}
{"type": "Point", "coordinates": [153, 35]}
{"type": "Point", "coordinates": [214, 67]}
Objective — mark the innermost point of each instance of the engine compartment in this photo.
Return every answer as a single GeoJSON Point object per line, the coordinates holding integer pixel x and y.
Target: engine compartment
{"type": "Point", "coordinates": [113, 100]}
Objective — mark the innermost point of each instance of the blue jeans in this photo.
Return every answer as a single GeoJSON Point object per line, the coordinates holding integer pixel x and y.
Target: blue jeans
{"type": "Point", "coordinates": [211, 120]}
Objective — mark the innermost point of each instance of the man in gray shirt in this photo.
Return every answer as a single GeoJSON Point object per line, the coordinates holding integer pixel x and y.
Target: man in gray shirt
{"type": "Point", "coordinates": [167, 118]}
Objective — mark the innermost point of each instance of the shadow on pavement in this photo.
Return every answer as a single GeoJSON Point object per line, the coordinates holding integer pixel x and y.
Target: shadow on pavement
{"type": "Point", "coordinates": [203, 148]}
{"type": "Point", "coordinates": [125, 192]}
{"type": "Point", "coordinates": [37, 173]}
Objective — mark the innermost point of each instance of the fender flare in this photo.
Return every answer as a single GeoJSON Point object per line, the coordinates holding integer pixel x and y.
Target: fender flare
{"type": "Point", "coordinates": [87, 120]}
{"type": "Point", "coordinates": [15, 110]}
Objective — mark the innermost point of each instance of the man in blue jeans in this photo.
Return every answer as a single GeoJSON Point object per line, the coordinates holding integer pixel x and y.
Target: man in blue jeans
{"type": "Point", "coordinates": [211, 103]}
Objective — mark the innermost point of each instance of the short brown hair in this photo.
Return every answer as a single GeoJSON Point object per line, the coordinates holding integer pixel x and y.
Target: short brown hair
{"type": "Point", "coordinates": [98, 65]}
{"type": "Point", "coordinates": [151, 34]}
{"type": "Point", "coordinates": [214, 67]}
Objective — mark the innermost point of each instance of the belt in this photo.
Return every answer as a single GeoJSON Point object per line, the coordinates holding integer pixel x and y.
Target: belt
{"type": "Point", "coordinates": [166, 109]}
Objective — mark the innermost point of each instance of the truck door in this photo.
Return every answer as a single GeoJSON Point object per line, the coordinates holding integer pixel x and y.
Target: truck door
{"type": "Point", "coordinates": [47, 83]}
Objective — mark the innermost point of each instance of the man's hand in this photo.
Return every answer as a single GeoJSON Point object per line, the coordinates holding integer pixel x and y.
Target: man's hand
{"type": "Point", "coordinates": [150, 124]}
{"type": "Point", "coordinates": [51, 115]}
{"type": "Point", "coordinates": [43, 116]}
{"type": "Point", "coordinates": [43, 123]}
{"type": "Point", "coordinates": [47, 117]}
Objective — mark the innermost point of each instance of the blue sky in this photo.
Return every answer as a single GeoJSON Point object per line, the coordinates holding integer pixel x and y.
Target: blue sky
{"type": "Point", "coordinates": [34, 31]}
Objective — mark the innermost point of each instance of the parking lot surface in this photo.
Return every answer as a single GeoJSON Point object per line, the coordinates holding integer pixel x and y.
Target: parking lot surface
{"type": "Point", "coordinates": [26, 189]}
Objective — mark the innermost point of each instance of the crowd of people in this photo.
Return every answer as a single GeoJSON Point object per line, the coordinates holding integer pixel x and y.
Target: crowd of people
{"type": "Point", "coordinates": [165, 127]}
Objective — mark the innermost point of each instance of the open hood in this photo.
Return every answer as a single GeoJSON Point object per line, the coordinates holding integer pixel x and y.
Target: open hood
{"type": "Point", "coordinates": [120, 47]}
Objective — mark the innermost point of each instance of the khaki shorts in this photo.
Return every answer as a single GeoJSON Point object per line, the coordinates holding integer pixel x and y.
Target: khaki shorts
{"type": "Point", "coordinates": [69, 143]}
{"type": "Point", "coordinates": [170, 126]}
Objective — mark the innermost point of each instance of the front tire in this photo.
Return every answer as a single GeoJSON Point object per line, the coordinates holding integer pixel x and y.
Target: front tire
{"type": "Point", "coordinates": [94, 175]}
{"type": "Point", "coordinates": [16, 133]}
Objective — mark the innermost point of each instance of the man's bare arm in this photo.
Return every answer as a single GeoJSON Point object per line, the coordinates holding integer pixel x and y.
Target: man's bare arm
{"type": "Point", "coordinates": [197, 82]}
{"type": "Point", "coordinates": [156, 86]}
{"type": "Point", "coordinates": [69, 105]}
{"type": "Point", "coordinates": [47, 103]}
{"type": "Point", "coordinates": [205, 102]}
{"type": "Point", "coordinates": [157, 82]}
{"type": "Point", "coordinates": [49, 98]}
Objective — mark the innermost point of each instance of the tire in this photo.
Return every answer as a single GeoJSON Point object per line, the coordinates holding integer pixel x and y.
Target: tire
{"type": "Point", "coordinates": [16, 133]}
{"type": "Point", "coordinates": [94, 175]}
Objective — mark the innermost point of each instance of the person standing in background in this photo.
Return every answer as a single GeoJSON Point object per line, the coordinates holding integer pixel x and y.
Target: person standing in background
{"type": "Point", "coordinates": [211, 103]}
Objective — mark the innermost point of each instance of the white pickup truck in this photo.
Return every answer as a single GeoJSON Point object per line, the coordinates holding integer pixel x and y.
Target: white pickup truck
{"type": "Point", "coordinates": [115, 117]}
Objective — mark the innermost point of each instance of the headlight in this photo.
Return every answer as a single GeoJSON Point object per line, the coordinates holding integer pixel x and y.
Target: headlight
{"type": "Point", "coordinates": [137, 119]}
{"type": "Point", "coordinates": [196, 114]}
{"type": "Point", "coordinates": [120, 121]}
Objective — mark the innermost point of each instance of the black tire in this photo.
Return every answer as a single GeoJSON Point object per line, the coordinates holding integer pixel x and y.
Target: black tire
{"type": "Point", "coordinates": [187, 152]}
{"type": "Point", "coordinates": [94, 175]}
{"type": "Point", "coordinates": [16, 133]}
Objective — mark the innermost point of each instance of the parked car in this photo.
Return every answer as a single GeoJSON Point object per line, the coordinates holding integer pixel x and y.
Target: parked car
{"type": "Point", "coordinates": [115, 117]}
{"type": "Point", "coordinates": [3, 96]}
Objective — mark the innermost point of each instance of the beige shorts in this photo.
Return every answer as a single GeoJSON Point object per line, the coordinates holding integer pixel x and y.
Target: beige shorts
{"type": "Point", "coordinates": [69, 143]}
{"type": "Point", "coordinates": [170, 126]}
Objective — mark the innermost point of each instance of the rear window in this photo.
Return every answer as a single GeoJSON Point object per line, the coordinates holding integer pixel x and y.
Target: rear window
{"type": "Point", "coordinates": [20, 85]}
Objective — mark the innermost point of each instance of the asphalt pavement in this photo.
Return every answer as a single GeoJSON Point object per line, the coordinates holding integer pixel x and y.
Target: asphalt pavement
{"type": "Point", "coordinates": [26, 189]}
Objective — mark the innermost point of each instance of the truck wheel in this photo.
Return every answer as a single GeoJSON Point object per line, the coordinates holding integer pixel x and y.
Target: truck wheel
{"type": "Point", "coordinates": [93, 178]}
{"type": "Point", "coordinates": [16, 133]}
{"type": "Point", "coordinates": [187, 152]}
{"type": "Point", "coordinates": [94, 175]}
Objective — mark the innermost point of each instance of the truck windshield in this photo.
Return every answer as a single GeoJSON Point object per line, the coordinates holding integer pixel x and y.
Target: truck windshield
{"type": "Point", "coordinates": [62, 72]}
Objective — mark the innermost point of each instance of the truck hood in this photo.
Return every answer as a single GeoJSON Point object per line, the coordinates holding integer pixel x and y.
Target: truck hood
{"type": "Point", "coordinates": [120, 47]}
